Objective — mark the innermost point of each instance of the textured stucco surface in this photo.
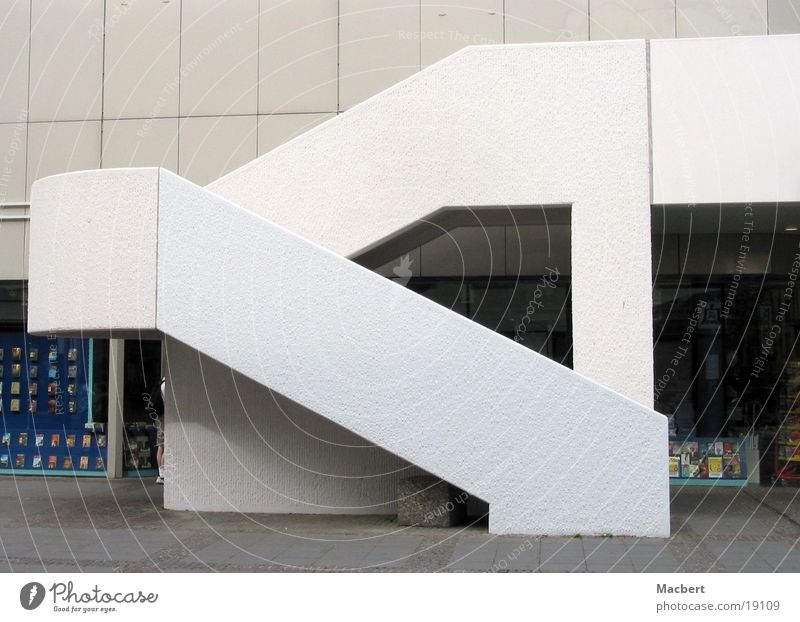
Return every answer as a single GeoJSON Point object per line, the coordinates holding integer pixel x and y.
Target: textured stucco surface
{"type": "Point", "coordinates": [494, 126]}
{"type": "Point", "coordinates": [549, 450]}
{"type": "Point", "coordinates": [93, 251]}
{"type": "Point", "coordinates": [726, 119]}
{"type": "Point", "coordinates": [233, 445]}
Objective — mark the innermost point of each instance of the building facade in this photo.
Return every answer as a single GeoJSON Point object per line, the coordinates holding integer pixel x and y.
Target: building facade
{"type": "Point", "coordinates": [541, 204]}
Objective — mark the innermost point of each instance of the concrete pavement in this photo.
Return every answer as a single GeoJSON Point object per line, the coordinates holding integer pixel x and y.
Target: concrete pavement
{"type": "Point", "coordinates": [60, 524]}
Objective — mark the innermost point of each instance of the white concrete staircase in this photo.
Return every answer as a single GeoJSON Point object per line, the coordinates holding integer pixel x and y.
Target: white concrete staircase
{"type": "Point", "coordinates": [551, 451]}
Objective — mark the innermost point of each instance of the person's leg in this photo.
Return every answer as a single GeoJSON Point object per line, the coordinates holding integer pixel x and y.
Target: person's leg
{"type": "Point", "coordinates": [160, 456]}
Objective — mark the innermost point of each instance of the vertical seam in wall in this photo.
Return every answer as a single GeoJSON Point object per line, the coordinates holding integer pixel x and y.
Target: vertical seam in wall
{"type": "Point", "coordinates": [649, 119]}
{"type": "Point", "coordinates": [589, 20]}
{"type": "Point", "coordinates": [338, 54]}
{"type": "Point", "coordinates": [504, 21]}
{"type": "Point", "coordinates": [158, 231]}
{"type": "Point", "coordinates": [675, 17]}
{"type": "Point", "coordinates": [26, 195]}
{"type": "Point", "coordinates": [180, 75]}
{"type": "Point", "coordinates": [103, 82]}
{"type": "Point", "coordinates": [258, 70]}
{"type": "Point", "coordinates": [419, 43]}
{"type": "Point", "coordinates": [505, 228]}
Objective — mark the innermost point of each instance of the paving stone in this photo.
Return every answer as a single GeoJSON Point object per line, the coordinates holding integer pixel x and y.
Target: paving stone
{"type": "Point", "coordinates": [133, 534]}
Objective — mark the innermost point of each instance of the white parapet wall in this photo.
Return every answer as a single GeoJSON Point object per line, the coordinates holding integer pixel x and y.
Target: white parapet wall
{"type": "Point", "coordinates": [520, 125]}
{"type": "Point", "coordinates": [454, 398]}
{"type": "Point", "coordinates": [93, 253]}
{"type": "Point", "coordinates": [726, 120]}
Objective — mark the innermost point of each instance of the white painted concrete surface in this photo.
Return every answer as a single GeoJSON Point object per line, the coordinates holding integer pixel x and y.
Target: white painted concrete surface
{"type": "Point", "coordinates": [550, 451]}
{"type": "Point", "coordinates": [234, 445]}
{"type": "Point", "coordinates": [494, 126]}
{"type": "Point", "coordinates": [93, 252]}
{"type": "Point", "coordinates": [726, 119]}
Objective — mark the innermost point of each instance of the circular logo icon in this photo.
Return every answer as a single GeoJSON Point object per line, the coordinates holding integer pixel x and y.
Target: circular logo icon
{"type": "Point", "coordinates": [31, 595]}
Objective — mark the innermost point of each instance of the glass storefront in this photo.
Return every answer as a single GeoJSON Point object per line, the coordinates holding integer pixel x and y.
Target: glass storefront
{"type": "Point", "coordinates": [712, 376]}
{"type": "Point", "coordinates": [534, 310]}
{"type": "Point", "coordinates": [726, 358]}
{"type": "Point", "coordinates": [52, 397]}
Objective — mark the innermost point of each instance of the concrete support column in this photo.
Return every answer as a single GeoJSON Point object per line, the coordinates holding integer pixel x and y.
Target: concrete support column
{"type": "Point", "coordinates": [612, 298]}
{"type": "Point", "coordinates": [116, 427]}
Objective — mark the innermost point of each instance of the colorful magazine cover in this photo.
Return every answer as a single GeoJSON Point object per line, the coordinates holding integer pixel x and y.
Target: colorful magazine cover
{"type": "Point", "coordinates": [714, 467]}
{"type": "Point", "coordinates": [55, 439]}
{"type": "Point", "coordinates": [674, 466]}
{"type": "Point", "coordinates": [23, 439]}
{"type": "Point", "coordinates": [67, 463]}
{"type": "Point", "coordinates": [87, 441]}
{"type": "Point", "coordinates": [4, 461]}
{"type": "Point", "coordinates": [70, 440]}
{"type": "Point", "coordinates": [37, 462]}
{"type": "Point", "coordinates": [84, 464]}
{"type": "Point", "coordinates": [20, 461]}
{"type": "Point", "coordinates": [732, 467]}
{"type": "Point", "coordinates": [52, 462]}
{"type": "Point", "coordinates": [98, 463]}
{"type": "Point", "coordinates": [6, 438]}
{"type": "Point", "coordinates": [39, 440]}
{"type": "Point", "coordinates": [14, 406]}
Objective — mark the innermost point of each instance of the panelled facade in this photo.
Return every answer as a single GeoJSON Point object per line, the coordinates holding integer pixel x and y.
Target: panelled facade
{"type": "Point", "coordinates": [205, 86]}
